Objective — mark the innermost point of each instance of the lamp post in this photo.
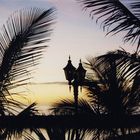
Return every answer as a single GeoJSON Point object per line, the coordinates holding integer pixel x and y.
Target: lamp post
{"type": "Point", "coordinates": [75, 78]}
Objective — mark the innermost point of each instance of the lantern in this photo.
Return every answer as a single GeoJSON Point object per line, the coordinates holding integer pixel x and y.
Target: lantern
{"type": "Point", "coordinates": [69, 71]}
{"type": "Point", "coordinates": [80, 74]}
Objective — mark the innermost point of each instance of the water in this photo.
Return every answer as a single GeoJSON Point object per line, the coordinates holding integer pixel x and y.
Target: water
{"type": "Point", "coordinates": [45, 95]}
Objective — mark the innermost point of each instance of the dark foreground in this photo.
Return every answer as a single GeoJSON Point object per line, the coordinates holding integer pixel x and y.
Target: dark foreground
{"type": "Point", "coordinates": [66, 121]}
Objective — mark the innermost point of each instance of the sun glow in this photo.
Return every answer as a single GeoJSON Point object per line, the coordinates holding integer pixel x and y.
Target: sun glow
{"type": "Point", "coordinates": [45, 94]}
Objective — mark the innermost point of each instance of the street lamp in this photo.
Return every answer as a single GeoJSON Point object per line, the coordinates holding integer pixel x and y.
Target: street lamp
{"type": "Point", "coordinates": [75, 78]}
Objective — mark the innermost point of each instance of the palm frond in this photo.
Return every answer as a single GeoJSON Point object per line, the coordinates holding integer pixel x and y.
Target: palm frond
{"type": "Point", "coordinates": [56, 133]}
{"type": "Point", "coordinates": [28, 111]}
{"type": "Point", "coordinates": [65, 107]}
{"type": "Point", "coordinates": [17, 133]}
{"type": "Point", "coordinates": [112, 85]}
{"type": "Point", "coordinates": [116, 17]}
{"type": "Point", "coordinates": [22, 42]}
{"type": "Point", "coordinates": [135, 5]}
{"type": "Point", "coordinates": [39, 134]}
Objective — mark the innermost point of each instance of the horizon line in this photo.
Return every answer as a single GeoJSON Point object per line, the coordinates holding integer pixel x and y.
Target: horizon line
{"type": "Point", "coordinates": [55, 82]}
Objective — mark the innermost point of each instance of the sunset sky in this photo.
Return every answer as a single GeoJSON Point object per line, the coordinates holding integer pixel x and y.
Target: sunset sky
{"type": "Point", "coordinates": [74, 34]}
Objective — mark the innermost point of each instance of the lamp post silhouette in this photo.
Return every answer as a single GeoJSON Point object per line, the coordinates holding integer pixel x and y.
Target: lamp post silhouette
{"type": "Point", "coordinates": [75, 78]}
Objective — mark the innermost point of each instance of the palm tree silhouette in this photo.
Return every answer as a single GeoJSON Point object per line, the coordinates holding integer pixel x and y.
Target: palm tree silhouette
{"type": "Point", "coordinates": [117, 16]}
{"type": "Point", "coordinates": [22, 42]}
{"type": "Point", "coordinates": [114, 83]}
{"type": "Point", "coordinates": [112, 86]}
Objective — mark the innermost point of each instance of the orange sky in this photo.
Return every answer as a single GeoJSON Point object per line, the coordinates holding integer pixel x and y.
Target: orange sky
{"type": "Point", "coordinates": [45, 95]}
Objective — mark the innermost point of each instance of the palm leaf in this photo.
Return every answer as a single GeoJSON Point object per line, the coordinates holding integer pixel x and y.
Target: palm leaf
{"type": "Point", "coordinates": [22, 42]}
{"type": "Point", "coordinates": [17, 133]}
{"type": "Point", "coordinates": [28, 111]}
{"type": "Point", "coordinates": [135, 5]}
{"type": "Point", "coordinates": [114, 83]}
{"type": "Point", "coordinates": [39, 134]}
{"type": "Point", "coordinates": [56, 133]}
{"type": "Point", "coordinates": [65, 107]}
{"type": "Point", "coordinates": [116, 17]}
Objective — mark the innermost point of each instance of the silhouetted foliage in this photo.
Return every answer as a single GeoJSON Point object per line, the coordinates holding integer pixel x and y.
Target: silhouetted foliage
{"type": "Point", "coordinates": [22, 42]}
{"type": "Point", "coordinates": [114, 83]}
{"type": "Point", "coordinates": [21, 46]}
{"type": "Point", "coordinates": [65, 134]}
{"type": "Point", "coordinates": [67, 107]}
{"type": "Point", "coordinates": [113, 88]}
{"type": "Point", "coordinates": [117, 16]}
